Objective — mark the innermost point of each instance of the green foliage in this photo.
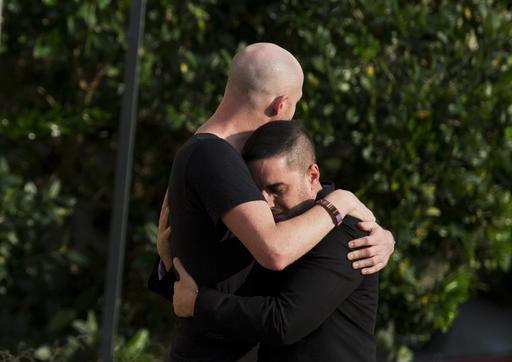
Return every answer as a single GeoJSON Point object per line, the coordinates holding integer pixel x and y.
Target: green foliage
{"type": "Point", "coordinates": [83, 346]}
{"type": "Point", "coordinates": [35, 246]}
{"type": "Point", "coordinates": [408, 102]}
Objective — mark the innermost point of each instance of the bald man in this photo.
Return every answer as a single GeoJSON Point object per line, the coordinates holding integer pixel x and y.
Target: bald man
{"type": "Point", "coordinates": [212, 197]}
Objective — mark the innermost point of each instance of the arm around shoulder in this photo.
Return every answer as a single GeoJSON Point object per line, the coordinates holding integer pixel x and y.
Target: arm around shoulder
{"type": "Point", "coordinates": [277, 245]}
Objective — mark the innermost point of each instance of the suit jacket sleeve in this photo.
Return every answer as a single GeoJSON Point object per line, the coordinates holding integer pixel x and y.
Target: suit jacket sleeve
{"type": "Point", "coordinates": [163, 286]}
{"type": "Point", "coordinates": [305, 295]}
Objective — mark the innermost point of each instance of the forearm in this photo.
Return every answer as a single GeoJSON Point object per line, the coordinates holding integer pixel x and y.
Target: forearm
{"type": "Point", "coordinates": [280, 319]}
{"type": "Point", "coordinates": [276, 245]}
{"type": "Point", "coordinates": [254, 319]}
{"type": "Point", "coordinates": [295, 237]}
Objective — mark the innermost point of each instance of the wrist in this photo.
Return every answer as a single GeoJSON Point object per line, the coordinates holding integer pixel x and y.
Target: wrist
{"type": "Point", "coordinates": [333, 212]}
{"type": "Point", "coordinates": [343, 200]}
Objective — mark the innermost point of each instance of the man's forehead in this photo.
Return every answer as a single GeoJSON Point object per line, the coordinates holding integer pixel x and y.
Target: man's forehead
{"type": "Point", "coordinates": [270, 164]}
{"type": "Point", "coordinates": [271, 172]}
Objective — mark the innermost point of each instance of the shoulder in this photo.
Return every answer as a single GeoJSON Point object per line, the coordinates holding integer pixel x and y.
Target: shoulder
{"type": "Point", "coordinates": [209, 148]}
{"type": "Point", "coordinates": [348, 230]}
{"type": "Point", "coordinates": [204, 152]}
{"type": "Point", "coordinates": [336, 241]}
{"type": "Point", "coordinates": [204, 143]}
{"type": "Point", "coordinates": [208, 141]}
{"type": "Point", "coordinates": [349, 226]}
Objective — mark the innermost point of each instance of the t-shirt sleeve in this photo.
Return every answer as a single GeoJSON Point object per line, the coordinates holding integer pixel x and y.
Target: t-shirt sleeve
{"type": "Point", "coordinates": [220, 178]}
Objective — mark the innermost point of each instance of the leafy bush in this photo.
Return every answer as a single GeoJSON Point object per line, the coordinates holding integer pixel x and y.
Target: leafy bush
{"type": "Point", "coordinates": [35, 249]}
{"type": "Point", "coordinates": [83, 346]}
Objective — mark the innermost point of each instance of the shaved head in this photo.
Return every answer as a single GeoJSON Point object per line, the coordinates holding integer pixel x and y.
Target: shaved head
{"type": "Point", "coordinates": [261, 72]}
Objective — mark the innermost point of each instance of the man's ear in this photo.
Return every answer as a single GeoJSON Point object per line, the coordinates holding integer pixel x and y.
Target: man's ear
{"type": "Point", "coordinates": [313, 176]}
{"type": "Point", "coordinates": [278, 104]}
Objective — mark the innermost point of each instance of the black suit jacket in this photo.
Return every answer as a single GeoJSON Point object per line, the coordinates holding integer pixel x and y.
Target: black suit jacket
{"type": "Point", "coordinates": [317, 309]}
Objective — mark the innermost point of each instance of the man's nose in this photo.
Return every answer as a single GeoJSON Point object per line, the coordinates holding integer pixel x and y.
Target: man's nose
{"type": "Point", "coordinates": [269, 199]}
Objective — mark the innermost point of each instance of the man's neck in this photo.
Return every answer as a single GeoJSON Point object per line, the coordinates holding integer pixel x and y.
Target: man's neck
{"type": "Point", "coordinates": [326, 188]}
{"type": "Point", "coordinates": [238, 140]}
{"type": "Point", "coordinates": [234, 127]}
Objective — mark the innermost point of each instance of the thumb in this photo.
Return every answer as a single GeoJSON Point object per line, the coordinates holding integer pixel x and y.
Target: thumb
{"type": "Point", "coordinates": [182, 272]}
{"type": "Point", "coordinates": [179, 267]}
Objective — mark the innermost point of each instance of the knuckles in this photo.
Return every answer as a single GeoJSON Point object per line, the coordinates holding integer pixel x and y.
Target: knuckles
{"type": "Point", "coordinates": [365, 241]}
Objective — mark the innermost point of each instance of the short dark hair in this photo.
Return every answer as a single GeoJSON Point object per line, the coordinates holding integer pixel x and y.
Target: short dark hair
{"type": "Point", "coordinates": [277, 138]}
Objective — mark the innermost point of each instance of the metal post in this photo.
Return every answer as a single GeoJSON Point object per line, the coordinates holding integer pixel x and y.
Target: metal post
{"type": "Point", "coordinates": [1, 6]}
{"type": "Point", "coordinates": [123, 180]}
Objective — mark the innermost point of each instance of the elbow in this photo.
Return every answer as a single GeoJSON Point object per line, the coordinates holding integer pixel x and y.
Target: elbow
{"type": "Point", "coordinates": [273, 255]}
{"type": "Point", "coordinates": [277, 266]}
{"type": "Point", "coordinates": [274, 261]}
{"type": "Point", "coordinates": [287, 334]}
{"type": "Point", "coordinates": [272, 264]}
{"type": "Point", "coordinates": [284, 322]}
{"type": "Point", "coordinates": [290, 339]}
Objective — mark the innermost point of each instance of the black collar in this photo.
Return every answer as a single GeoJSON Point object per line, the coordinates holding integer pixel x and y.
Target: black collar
{"type": "Point", "coordinates": [327, 188]}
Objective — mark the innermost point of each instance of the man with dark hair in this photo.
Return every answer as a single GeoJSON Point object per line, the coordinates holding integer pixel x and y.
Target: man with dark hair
{"type": "Point", "coordinates": [317, 309]}
{"type": "Point", "coordinates": [211, 194]}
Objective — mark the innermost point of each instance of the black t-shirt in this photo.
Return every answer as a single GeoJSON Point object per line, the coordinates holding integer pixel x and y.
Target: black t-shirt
{"type": "Point", "coordinates": [208, 178]}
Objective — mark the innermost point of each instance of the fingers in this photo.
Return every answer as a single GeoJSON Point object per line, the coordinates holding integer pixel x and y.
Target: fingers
{"type": "Point", "coordinates": [164, 211]}
{"type": "Point", "coordinates": [164, 207]}
{"type": "Point", "coordinates": [365, 257]}
{"type": "Point", "coordinates": [375, 249]}
{"type": "Point", "coordinates": [357, 243]}
{"type": "Point", "coordinates": [359, 254]}
{"type": "Point", "coordinates": [368, 225]}
{"type": "Point", "coordinates": [164, 234]}
{"type": "Point", "coordinates": [369, 265]}
{"type": "Point", "coordinates": [164, 214]}
{"type": "Point", "coordinates": [364, 263]}
{"type": "Point", "coordinates": [373, 269]}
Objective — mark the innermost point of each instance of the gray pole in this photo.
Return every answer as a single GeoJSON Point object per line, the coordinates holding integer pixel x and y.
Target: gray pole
{"type": "Point", "coordinates": [123, 180]}
{"type": "Point", "coordinates": [1, 6]}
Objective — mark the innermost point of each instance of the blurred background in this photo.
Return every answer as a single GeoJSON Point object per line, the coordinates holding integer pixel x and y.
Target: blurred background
{"type": "Point", "coordinates": [410, 106]}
